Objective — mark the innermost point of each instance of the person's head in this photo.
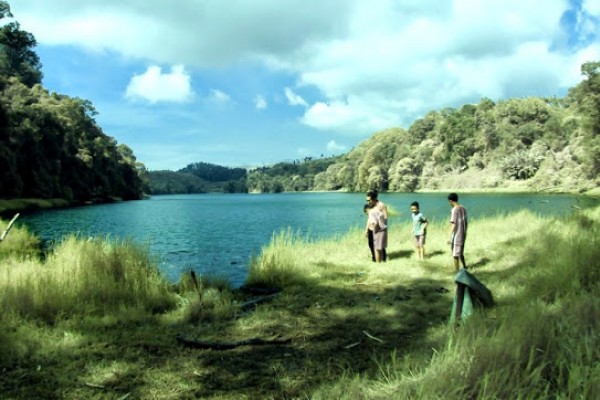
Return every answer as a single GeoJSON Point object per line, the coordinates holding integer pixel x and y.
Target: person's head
{"type": "Point", "coordinates": [372, 197]}
{"type": "Point", "coordinates": [414, 207]}
{"type": "Point", "coordinates": [366, 208]}
{"type": "Point", "coordinates": [453, 198]}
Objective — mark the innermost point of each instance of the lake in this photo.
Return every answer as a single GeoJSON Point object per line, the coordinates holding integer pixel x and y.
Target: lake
{"type": "Point", "coordinates": [216, 234]}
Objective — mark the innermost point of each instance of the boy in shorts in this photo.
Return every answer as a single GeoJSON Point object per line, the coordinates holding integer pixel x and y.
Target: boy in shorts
{"type": "Point", "coordinates": [458, 230]}
{"type": "Point", "coordinates": [419, 230]}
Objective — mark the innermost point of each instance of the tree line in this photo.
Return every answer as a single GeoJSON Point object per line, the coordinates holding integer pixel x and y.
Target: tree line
{"type": "Point", "coordinates": [50, 144]}
{"type": "Point", "coordinates": [530, 143]}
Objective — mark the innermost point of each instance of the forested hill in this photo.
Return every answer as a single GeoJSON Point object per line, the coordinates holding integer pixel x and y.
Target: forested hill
{"type": "Point", "coordinates": [200, 177]}
{"type": "Point", "coordinates": [525, 143]}
{"type": "Point", "coordinates": [50, 144]}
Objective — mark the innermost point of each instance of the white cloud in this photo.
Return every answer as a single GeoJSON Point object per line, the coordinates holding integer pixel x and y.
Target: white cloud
{"type": "Point", "coordinates": [260, 102]}
{"type": "Point", "coordinates": [219, 97]}
{"type": "Point", "coordinates": [591, 7]}
{"type": "Point", "coordinates": [294, 99]}
{"type": "Point", "coordinates": [373, 64]}
{"type": "Point", "coordinates": [332, 146]}
{"type": "Point", "coordinates": [156, 86]}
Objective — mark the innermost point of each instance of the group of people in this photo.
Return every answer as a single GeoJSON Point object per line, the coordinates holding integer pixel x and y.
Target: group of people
{"type": "Point", "coordinates": [377, 229]}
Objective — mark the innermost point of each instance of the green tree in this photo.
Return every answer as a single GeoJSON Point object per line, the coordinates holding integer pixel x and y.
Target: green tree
{"type": "Point", "coordinates": [17, 57]}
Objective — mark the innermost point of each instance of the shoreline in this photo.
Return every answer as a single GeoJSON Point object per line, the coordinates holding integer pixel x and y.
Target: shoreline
{"type": "Point", "coordinates": [8, 206]}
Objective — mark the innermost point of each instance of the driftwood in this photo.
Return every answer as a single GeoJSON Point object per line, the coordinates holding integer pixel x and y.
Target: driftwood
{"type": "Point", "coordinates": [196, 284]}
{"type": "Point", "coordinates": [247, 306]}
{"type": "Point", "coordinates": [200, 344]}
{"type": "Point", "coordinates": [367, 334]}
{"type": "Point", "coordinates": [10, 224]}
{"type": "Point", "coordinates": [259, 290]}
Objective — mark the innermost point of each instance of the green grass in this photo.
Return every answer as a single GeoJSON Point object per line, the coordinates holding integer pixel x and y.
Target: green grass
{"type": "Point", "coordinates": [95, 319]}
{"type": "Point", "coordinates": [14, 205]}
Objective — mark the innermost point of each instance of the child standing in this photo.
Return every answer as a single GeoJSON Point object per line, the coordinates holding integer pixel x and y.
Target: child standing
{"type": "Point", "coordinates": [419, 230]}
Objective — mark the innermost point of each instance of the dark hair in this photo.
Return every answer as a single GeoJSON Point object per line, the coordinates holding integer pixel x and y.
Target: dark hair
{"type": "Point", "coordinates": [372, 194]}
{"type": "Point", "coordinates": [366, 207]}
{"type": "Point", "coordinates": [415, 203]}
{"type": "Point", "coordinates": [453, 197]}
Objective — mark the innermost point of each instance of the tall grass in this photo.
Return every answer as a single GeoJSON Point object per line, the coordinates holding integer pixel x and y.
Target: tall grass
{"type": "Point", "coordinates": [544, 340]}
{"type": "Point", "coordinates": [82, 277]}
{"type": "Point", "coordinates": [19, 244]}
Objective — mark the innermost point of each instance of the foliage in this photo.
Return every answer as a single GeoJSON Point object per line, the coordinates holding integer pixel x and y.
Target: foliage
{"type": "Point", "coordinates": [169, 182]}
{"type": "Point", "coordinates": [185, 181]}
{"type": "Point", "coordinates": [50, 144]}
{"type": "Point", "coordinates": [214, 173]}
{"type": "Point", "coordinates": [296, 176]}
{"type": "Point", "coordinates": [540, 142]}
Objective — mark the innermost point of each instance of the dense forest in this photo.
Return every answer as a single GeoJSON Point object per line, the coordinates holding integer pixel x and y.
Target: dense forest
{"type": "Point", "coordinates": [525, 143]}
{"type": "Point", "coordinates": [200, 177]}
{"type": "Point", "coordinates": [522, 143]}
{"type": "Point", "coordinates": [50, 144]}
{"type": "Point", "coordinates": [295, 176]}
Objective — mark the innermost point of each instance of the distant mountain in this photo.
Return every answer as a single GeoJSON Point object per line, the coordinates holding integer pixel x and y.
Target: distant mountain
{"type": "Point", "coordinates": [198, 177]}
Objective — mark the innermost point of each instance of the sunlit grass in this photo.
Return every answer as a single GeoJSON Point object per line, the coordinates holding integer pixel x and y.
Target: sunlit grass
{"type": "Point", "coordinates": [100, 313]}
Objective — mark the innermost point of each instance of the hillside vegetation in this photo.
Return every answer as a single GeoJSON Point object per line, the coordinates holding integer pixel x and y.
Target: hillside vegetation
{"type": "Point", "coordinates": [198, 177]}
{"type": "Point", "coordinates": [50, 145]}
{"type": "Point", "coordinates": [527, 144]}
{"type": "Point", "coordinates": [524, 143]}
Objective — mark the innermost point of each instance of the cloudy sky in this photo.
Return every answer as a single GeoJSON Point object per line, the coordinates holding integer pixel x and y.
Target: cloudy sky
{"type": "Point", "coordinates": [254, 82]}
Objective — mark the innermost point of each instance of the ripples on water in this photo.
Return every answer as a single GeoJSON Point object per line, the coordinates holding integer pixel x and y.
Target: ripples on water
{"type": "Point", "coordinates": [216, 234]}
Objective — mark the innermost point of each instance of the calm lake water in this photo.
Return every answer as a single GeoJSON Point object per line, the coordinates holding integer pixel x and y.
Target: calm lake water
{"type": "Point", "coordinates": [216, 234]}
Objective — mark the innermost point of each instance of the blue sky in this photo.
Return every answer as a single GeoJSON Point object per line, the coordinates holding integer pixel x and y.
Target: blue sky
{"type": "Point", "coordinates": [246, 83]}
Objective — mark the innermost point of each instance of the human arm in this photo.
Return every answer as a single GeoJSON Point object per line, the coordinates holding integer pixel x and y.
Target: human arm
{"type": "Point", "coordinates": [452, 230]}
{"type": "Point", "coordinates": [384, 211]}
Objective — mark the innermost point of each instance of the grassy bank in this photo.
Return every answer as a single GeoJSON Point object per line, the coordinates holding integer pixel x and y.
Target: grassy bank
{"type": "Point", "coordinates": [19, 205]}
{"type": "Point", "coordinates": [95, 319]}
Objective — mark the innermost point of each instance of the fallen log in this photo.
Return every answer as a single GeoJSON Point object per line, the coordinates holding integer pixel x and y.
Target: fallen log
{"type": "Point", "coordinates": [259, 290]}
{"type": "Point", "coordinates": [247, 306]}
{"type": "Point", "coordinates": [200, 344]}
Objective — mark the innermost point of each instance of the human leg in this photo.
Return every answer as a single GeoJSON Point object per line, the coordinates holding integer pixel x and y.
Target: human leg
{"type": "Point", "coordinates": [371, 245]}
{"type": "Point", "coordinates": [457, 254]}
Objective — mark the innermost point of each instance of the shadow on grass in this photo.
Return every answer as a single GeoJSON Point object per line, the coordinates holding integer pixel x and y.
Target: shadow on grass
{"type": "Point", "coordinates": [392, 255]}
{"type": "Point", "coordinates": [480, 263]}
{"type": "Point", "coordinates": [334, 331]}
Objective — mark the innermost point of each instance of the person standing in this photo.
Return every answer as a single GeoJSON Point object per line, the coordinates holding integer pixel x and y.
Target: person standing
{"type": "Point", "coordinates": [419, 230]}
{"type": "Point", "coordinates": [369, 231]}
{"type": "Point", "coordinates": [380, 235]}
{"type": "Point", "coordinates": [458, 231]}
